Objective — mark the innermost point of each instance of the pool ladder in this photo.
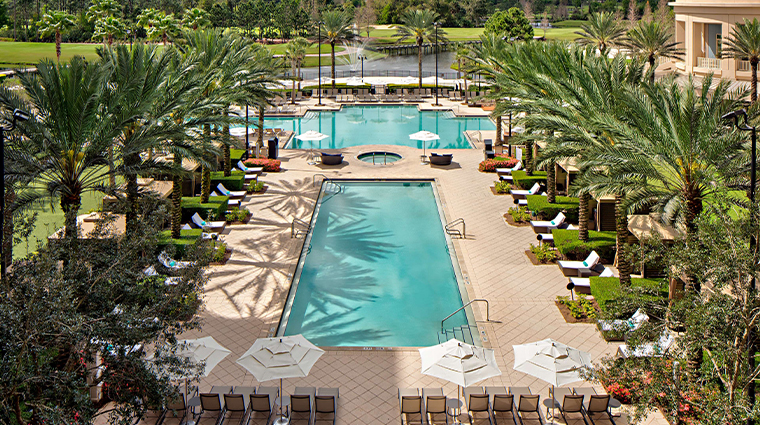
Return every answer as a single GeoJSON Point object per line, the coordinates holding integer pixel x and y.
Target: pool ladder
{"type": "Point", "coordinates": [452, 231]}
{"type": "Point", "coordinates": [298, 227]}
{"type": "Point", "coordinates": [463, 333]}
{"type": "Point", "coordinates": [330, 187]}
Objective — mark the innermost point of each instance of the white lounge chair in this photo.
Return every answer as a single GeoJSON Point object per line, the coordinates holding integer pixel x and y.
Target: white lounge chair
{"type": "Point", "coordinates": [582, 285]}
{"type": "Point", "coordinates": [230, 202]}
{"type": "Point", "coordinates": [172, 264]}
{"type": "Point", "coordinates": [240, 194]}
{"type": "Point", "coordinates": [250, 170]}
{"type": "Point", "coordinates": [151, 271]}
{"type": "Point", "coordinates": [635, 322]}
{"type": "Point", "coordinates": [548, 225]}
{"type": "Point", "coordinates": [579, 268]}
{"type": "Point", "coordinates": [509, 170]}
{"type": "Point", "coordinates": [524, 202]}
{"type": "Point", "coordinates": [203, 224]}
{"type": "Point", "coordinates": [656, 348]}
{"type": "Point", "coordinates": [522, 194]}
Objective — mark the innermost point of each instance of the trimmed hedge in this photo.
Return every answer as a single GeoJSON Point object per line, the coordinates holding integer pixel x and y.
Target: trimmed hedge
{"type": "Point", "coordinates": [192, 205]}
{"type": "Point", "coordinates": [270, 165]}
{"type": "Point", "coordinates": [546, 211]}
{"type": "Point", "coordinates": [522, 179]}
{"type": "Point", "coordinates": [234, 182]}
{"type": "Point", "coordinates": [187, 237]}
{"type": "Point", "coordinates": [490, 165]}
{"type": "Point", "coordinates": [235, 156]}
{"type": "Point", "coordinates": [568, 244]}
{"type": "Point", "coordinates": [607, 289]}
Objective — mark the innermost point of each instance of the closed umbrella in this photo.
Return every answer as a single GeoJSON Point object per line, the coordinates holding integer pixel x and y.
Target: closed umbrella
{"type": "Point", "coordinates": [424, 136]}
{"type": "Point", "coordinates": [311, 136]}
{"type": "Point", "coordinates": [280, 358]}
{"type": "Point", "coordinates": [458, 362]}
{"type": "Point", "coordinates": [551, 361]}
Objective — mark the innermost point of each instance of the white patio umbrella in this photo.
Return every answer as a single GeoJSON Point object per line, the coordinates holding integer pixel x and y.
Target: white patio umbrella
{"type": "Point", "coordinates": [424, 136]}
{"type": "Point", "coordinates": [241, 131]}
{"type": "Point", "coordinates": [279, 358]}
{"type": "Point", "coordinates": [551, 361]}
{"type": "Point", "coordinates": [409, 80]}
{"type": "Point", "coordinates": [311, 136]}
{"type": "Point", "coordinates": [353, 81]}
{"type": "Point", "coordinates": [458, 362]}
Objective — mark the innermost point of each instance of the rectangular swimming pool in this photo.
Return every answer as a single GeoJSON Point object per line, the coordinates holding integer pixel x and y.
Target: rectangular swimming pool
{"type": "Point", "coordinates": [377, 269]}
{"type": "Point", "coordinates": [381, 125]}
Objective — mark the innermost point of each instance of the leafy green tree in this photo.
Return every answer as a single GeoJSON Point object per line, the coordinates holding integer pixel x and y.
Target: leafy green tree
{"type": "Point", "coordinates": [100, 9]}
{"type": "Point", "coordinates": [3, 13]}
{"type": "Point", "coordinates": [56, 22]}
{"type": "Point", "coordinates": [108, 28]}
{"type": "Point", "coordinates": [603, 30]}
{"type": "Point", "coordinates": [744, 44]}
{"type": "Point", "coordinates": [148, 17]}
{"type": "Point", "coordinates": [196, 19]}
{"type": "Point", "coordinates": [336, 26]}
{"type": "Point", "coordinates": [221, 16]}
{"type": "Point", "coordinates": [652, 40]}
{"type": "Point", "coordinates": [165, 27]}
{"type": "Point", "coordinates": [511, 23]}
{"type": "Point", "coordinates": [419, 24]}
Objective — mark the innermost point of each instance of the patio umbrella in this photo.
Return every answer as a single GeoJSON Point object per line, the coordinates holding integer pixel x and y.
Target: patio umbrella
{"type": "Point", "coordinates": [458, 362]}
{"type": "Point", "coordinates": [241, 131]}
{"type": "Point", "coordinates": [551, 361]}
{"type": "Point", "coordinates": [424, 136]}
{"type": "Point", "coordinates": [279, 358]}
{"type": "Point", "coordinates": [311, 136]}
{"type": "Point", "coordinates": [409, 80]}
{"type": "Point", "coordinates": [353, 81]}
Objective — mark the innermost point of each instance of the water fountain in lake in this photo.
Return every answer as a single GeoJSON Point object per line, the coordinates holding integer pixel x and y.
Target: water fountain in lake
{"type": "Point", "coordinates": [355, 50]}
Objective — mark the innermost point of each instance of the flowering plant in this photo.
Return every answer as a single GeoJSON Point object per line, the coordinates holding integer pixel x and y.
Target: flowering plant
{"type": "Point", "coordinates": [270, 165]}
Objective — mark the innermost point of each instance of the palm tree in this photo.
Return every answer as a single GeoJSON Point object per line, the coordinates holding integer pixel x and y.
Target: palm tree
{"type": "Point", "coordinates": [336, 26]}
{"type": "Point", "coordinates": [295, 52]}
{"type": "Point", "coordinates": [107, 29]}
{"type": "Point", "coordinates": [651, 40]}
{"type": "Point", "coordinates": [56, 22]}
{"type": "Point", "coordinates": [196, 19]}
{"type": "Point", "coordinates": [148, 17]}
{"type": "Point", "coordinates": [102, 9]}
{"type": "Point", "coordinates": [419, 24]}
{"type": "Point", "coordinates": [602, 30]}
{"type": "Point", "coordinates": [164, 27]}
{"type": "Point", "coordinates": [463, 54]}
{"type": "Point", "coordinates": [744, 44]}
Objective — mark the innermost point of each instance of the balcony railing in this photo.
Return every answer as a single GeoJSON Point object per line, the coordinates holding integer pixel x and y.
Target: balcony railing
{"type": "Point", "coordinates": [744, 66]}
{"type": "Point", "coordinates": [710, 63]}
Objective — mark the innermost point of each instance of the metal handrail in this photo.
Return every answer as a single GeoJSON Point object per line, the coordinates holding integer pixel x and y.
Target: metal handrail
{"type": "Point", "coordinates": [488, 310]}
{"type": "Point", "coordinates": [460, 220]}
{"type": "Point", "coordinates": [327, 179]}
{"type": "Point", "coordinates": [300, 223]}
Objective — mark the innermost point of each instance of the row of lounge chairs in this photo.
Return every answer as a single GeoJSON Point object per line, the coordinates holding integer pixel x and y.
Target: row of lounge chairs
{"type": "Point", "coordinates": [500, 405]}
{"type": "Point", "coordinates": [369, 98]}
{"type": "Point", "coordinates": [284, 109]}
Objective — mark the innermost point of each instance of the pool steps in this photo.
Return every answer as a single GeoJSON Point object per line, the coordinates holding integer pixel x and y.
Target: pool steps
{"type": "Point", "coordinates": [462, 333]}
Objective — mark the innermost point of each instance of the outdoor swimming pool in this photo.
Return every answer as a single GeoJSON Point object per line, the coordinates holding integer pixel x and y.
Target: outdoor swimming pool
{"type": "Point", "coordinates": [376, 270]}
{"type": "Point", "coordinates": [381, 125]}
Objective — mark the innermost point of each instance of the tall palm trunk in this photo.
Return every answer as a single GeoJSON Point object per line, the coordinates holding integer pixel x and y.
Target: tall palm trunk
{"type": "Point", "coordinates": [466, 100]}
{"type": "Point", "coordinates": [205, 170]}
{"type": "Point", "coordinates": [227, 141]}
{"type": "Point", "coordinates": [132, 193]}
{"type": "Point", "coordinates": [583, 217]}
{"type": "Point", "coordinates": [177, 199]}
{"type": "Point", "coordinates": [551, 184]}
{"type": "Point", "coordinates": [10, 199]}
{"type": "Point", "coordinates": [753, 94]}
{"type": "Point", "coordinates": [332, 64]}
{"type": "Point", "coordinates": [58, 44]}
{"type": "Point", "coordinates": [499, 142]}
{"type": "Point", "coordinates": [528, 158]}
{"type": "Point", "coordinates": [621, 229]}
{"type": "Point", "coordinates": [295, 77]}
{"type": "Point", "coordinates": [70, 206]}
{"type": "Point", "coordinates": [651, 68]}
{"type": "Point", "coordinates": [111, 172]}
{"type": "Point", "coordinates": [419, 59]}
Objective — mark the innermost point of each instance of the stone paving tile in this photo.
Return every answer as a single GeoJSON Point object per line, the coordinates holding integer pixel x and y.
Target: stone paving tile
{"type": "Point", "coordinates": [245, 297]}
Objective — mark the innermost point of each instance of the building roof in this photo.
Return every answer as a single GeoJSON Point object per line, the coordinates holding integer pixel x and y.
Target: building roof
{"type": "Point", "coordinates": [648, 226]}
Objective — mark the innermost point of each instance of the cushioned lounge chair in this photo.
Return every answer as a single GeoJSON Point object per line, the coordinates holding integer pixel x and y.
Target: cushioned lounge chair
{"type": "Point", "coordinates": [582, 285]}
{"type": "Point", "coordinates": [656, 348]}
{"type": "Point", "coordinates": [598, 406]}
{"type": "Point", "coordinates": [326, 405]}
{"type": "Point", "coordinates": [172, 264]}
{"type": "Point", "coordinates": [332, 159]}
{"type": "Point", "coordinates": [211, 404]}
{"type": "Point", "coordinates": [230, 202]}
{"type": "Point", "coordinates": [527, 404]}
{"type": "Point", "coordinates": [216, 226]}
{"type": "Point", "coordinates": [410, 404]}
{"type": "Point", "coordinates": [236, 404]}
{"type": "Point", "coordinates": [508, 171]}
{"type": "Point", "coordinates": [540, 226]}
{"type": "Point", "coordinates": [502, 405]}
{"type": "Point", "coordinates": [478, 405]}
{"type": "Point", "coordinates": [301, 405]}
{"type": "Point", "coordinates": [176, 410]}
{"type": "Point", "coordinates": [239, 194]}
{"type": "Point", "coordinates": [262, 405]}
{"type": "Point", "coordinates": [635, 322]}
{"type": "Point", "coordinates": [435, 406]}
{"type": "Point", "coordinates": [445, 159]}
{"type": "Point", "coordinates": [522, 194]}
{"type": "Point", "coordinates": [579, 268]}
{"type": "Point", "coordinates": [569, 403]}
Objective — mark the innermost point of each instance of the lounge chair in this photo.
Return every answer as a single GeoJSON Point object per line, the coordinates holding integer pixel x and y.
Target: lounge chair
{"type": "Point", "coordinates": [410, 403]}
{"type": "Point", "coordinates": [249, 170]}
{"type": "Point", "coordinates": [445, 159]}
{"type": "Point", "coordinates": [570, 404]}
{"type": "Point", "coordinates": [506, 172]}
{"type": "Point", "coordinates": [176, 409]}
{"type": "Point", "coordinates": [217, 226]}
{"type": "Point", "coordinates": [528, 403]}
{"type": "Point", "coordinates": [501, 403]}
{"type": "Point", "coordinates": [656, 348]}
{"type": "Point", "coordinates": [262, 404]}
{"type": "Point", "coordinates": [210, 403]}
{"type": "Point", "coordinates": [547, 226]}
{"type": "Point", "coordinates": [236, 404]}
{"type": "Point", "coordinates": [635, 322]}
{"type": "Point", "coordinates": [172, 264]}
{"type": "Point", "coordinates": [240, 194]}
{"type": "Point", "coordinates": [325, 404]}
{"type": "Point", "coordinates": [582, 285]}
{"type": "Point", "coordinates": [579, 268]}
{"type": "Point", "coordinates": [301, 403]}
{"type": "Point", "coordinates": [522, 194]}
{"type": "Point", "coordinates": [332, 159]}
{"type": "Point", "coordinates": [598, 405]}
{"type": "Point", "coordinates": [477, 403]}
{"type": "Point", "coordinates": [153, 415]}
{"type": "Point", "coordinates": [435, 406]}
{"type": "Point", "coordinates": [151, 271]}
{"type": "Point", "coordinates": [230, 202]}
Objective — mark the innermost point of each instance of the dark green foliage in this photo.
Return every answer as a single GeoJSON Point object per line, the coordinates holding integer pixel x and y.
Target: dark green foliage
{"type": "Point", "coordinates": [235, 156]}
{"type": "Point", "coordinates": [511, 23]}
{"type": "Point", "coordinates": [519, 214]}
{"type": "Point", "coordinates": [522, 179]}
{"type": "Point", "coordinates": [620, 303]}
{"type": "Point", "coordinates": [234, 182]}
{"type": "Point", "coordinates": [543, 252]}
{"type": "Point", "coordinates": [568, 205]}
{"type": "Point", "coordinates": [180, 246]}
{"type": "Point", "coordinates": [192, 205]}
{"type": "Point", "coordinates": [568, 244]}
{"type": "Point", "coordinates": [580, 308]}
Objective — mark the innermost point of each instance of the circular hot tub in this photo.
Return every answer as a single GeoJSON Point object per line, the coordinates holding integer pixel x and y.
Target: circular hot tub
{"type": "Point", "coordinates": [379, 158]}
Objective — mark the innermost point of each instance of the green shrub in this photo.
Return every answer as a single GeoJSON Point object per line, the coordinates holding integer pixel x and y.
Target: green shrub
{"type": "Point", "coordinates": [234, 182]}
{"type": "Point", "coordinates": [502, 186]}
{"type": "Point", "coordinates": [220, 249]}
{"type": "Point", "coordinates": [539, 205]}
{"type": "Point", "coordinates": [519, 214]}
{"type": "Point", "coordinates": [522, 179]}
{"type": "Point", "coordinates": [235, 156]}
{"type": "Point", "coordinates": [192, 205]}
{"type": "Point", "coordinates": [581, 308]}
{"type": "Point", "coordinates": [187, 237]}
{"type": "Point", "coordinates": [612, 299]}
{"type": "Point", "coordinates": [255, 186]}
{"type": "Point", "coordinates": [490, 165]}
{"type": "Point", "coordinates": [236, 214]}
{"type": "Point", "coordinates": [543, 252]}
{"type": "Point", "coordinates": [568, 244]}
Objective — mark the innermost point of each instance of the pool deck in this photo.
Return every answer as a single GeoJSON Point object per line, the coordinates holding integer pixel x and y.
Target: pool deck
{"type": "Point", "coordinates": [245, 297]}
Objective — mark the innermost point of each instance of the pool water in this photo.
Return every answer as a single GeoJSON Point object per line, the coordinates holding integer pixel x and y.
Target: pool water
{"type": "Point", "coordinates": [381, 125]}
{"type": "Point", "coordinates": [377, 270]}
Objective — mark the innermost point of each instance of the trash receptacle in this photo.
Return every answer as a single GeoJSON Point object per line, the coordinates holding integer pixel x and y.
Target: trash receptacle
{"type": "Point", "coordinates": [272, 148]}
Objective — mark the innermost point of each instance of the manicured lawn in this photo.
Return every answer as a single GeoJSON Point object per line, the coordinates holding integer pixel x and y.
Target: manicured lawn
{"type": "Point", "coordinates": [20, 53]}
{"type": "Point", "coordinates": [566, 34]}
{"type": "Point", "coordinates": [385, 36]}
{"type": "Point", "coordinates": [279, 49]}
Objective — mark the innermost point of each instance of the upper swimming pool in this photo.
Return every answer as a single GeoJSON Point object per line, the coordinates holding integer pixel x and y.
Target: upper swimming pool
{"type": "Point", "coordinates": [381, 125]}
{"type": "Point", "coordinates": [377, 269]}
